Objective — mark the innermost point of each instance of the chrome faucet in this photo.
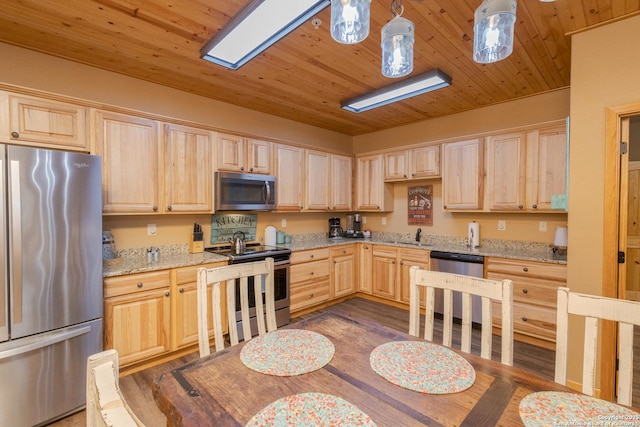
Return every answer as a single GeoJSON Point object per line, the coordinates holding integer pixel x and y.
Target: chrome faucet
{"type": "Point", "coordinates": [418, 234]}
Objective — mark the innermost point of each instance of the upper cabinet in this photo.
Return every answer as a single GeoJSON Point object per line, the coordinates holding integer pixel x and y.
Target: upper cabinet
{"type": "Point", "coordinates": [239, 154]}
{"type": "Point", "coordinates": [149, 167]}
{"type": "Point", "coordinates": [372, 193]}
{"type": "Point", "coordinates": [188, 155]}
{"type": "Point", "coordinates": [130, 150]}
{"type": "Point", "coordinates": [289, 172]}
{"type": "Point", "coordinates": [42, 122]}
{"type": "Point", "coordinates": [341, 183]}
{"type": "Point", "coordinates": [525, 169]}
{"type": "Point", "coordinates": [329, 182]}
{"type": "Point", "coordinates": [416, 163]}
{"type": "Point", "coordinates": [462, 175]}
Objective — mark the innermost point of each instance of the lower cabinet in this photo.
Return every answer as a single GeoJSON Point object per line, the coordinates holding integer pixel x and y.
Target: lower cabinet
{"type": "Point", "coordinates": [535, 290]}
{"type": "Point", "coordinates": [343, 271]}
{"type": "Point", "coordinates": [309, 282]}
{"type": "Point", "coordinates": [364, 267]}
{"type": "Point", "coordinates": [153, 314]}
{"type": "Point", "coordinates": [391, 270]}
{"type": "Point", "coordinates": [407, 258]}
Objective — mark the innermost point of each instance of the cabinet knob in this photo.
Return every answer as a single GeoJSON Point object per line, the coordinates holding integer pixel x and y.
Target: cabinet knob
{"type": "Point", "coordinates": [140, 284]}
{"type": "Point", "coordinates": [15, 135]}
{"type": "Point", "coordinates": [169, 208]}
{"type": "Point", "coordinates": [335, 262]}
{"type": "Point", "coordinates": [181, 290]}
{"type": "Point", "coordinates": [312, 273]}
{"type": "Point", "coordinates": [310, 295]}
{"type": "Point", "coordinates": [241, 168]}
{"type": "Point", "coordinates": [166, 294]}
{"type": "Point", "coordinates": [311, 256]}
{"type": "Point", "coordinates": [344, 251]}
{"type": "Point", "coordinates": [405, 175]}
{"type": "Point", "coordinates": [155, 209]}
{"type": "Point", "coordinates": [525, 269]}
{"type": "Point", "coordinates": [393, 262]}
{"type": "Point", "coordinates": [524, 318]}
{"type": "Point", "coordinates": [524, 291]}
{"type": "Point", "coordinates": [250, 169]}
{"type": "Point", "coordinates": [520, 207]}
{"type": "Point", "coordinates": [535, 206]}
{"type": "Point", "coordinates": [401, 262]}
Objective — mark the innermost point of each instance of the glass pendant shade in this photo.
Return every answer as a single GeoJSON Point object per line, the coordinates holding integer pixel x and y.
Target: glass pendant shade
{"type": "Point", "coordinates": [397, 47]}
{"type": "Point", "coordinates": [350, 20]}
{"type": "Point", "coordinates": [493, 30]}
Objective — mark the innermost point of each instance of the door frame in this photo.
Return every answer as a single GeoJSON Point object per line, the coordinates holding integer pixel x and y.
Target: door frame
{"type": "Point", "coordinates": [613, 238]}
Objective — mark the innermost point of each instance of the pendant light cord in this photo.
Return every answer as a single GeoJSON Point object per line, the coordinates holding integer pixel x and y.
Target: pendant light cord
{"type": "Point", "coordinates": [397, 9]}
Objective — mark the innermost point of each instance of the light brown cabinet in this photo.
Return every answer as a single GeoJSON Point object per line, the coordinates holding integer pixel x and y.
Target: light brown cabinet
{"type": "Point", "coordinates": [310, 278]}
{"type": "Point", "coordinates": [415, 163]}
{"type": "Point", "coordinates": [329, 181]}
{"type": "Point", "coordinates": [372, 193]}
{"type": "Point", "coordinates": [289, 171]}
{"type": "Point", "coordinates": [365, 273]}
{"type": "Point", "coordinates": [43, 122]}
{"type": "Point", "coordinates": [188, 177]}
{"type": "Point", "coordinates": [407, 258]}
{"type": "Point", "coordinates": [341, 185]}
{"type": "Point", "coordinates": [525, 169]}
{"type": "Point", "coordinates": [384, 272]}
{"type": "Point", "coordinates": [535, 286]}
{"type": "Point", "coordinates": [343, 261]}
{"type": "Point", "coordinates": [131, 161]}
{"type": "Point", "coordinates": [236, 153]}
{"type": "Point", "coordinates": [463, 175]}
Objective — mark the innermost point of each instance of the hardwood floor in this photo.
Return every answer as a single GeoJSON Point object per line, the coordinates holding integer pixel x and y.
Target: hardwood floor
{"type": "Point", "coordinates": [137, 387]}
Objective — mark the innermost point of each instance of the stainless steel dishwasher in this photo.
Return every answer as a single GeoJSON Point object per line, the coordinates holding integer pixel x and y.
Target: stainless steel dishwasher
{"type": "Point", "coordinates": [458, 263]}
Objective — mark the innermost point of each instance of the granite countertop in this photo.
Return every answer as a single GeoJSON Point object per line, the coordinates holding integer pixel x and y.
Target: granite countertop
{"type": "Point", "coordinates": [135, 260]}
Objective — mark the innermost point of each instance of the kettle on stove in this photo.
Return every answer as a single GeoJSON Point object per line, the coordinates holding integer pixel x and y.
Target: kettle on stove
{"type": "Point", "coordinates": [237, 244]}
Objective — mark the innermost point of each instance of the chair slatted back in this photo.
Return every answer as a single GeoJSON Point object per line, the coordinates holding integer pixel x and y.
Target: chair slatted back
{"type": "Point", "coordinates": [262, 273]}
{"type": "Point", "coordinates": [488, 290]}
{"type": "Point", "coordinates": [593, 308]}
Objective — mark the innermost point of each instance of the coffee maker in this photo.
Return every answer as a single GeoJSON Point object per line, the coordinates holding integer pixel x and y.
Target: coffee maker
{"type": "Point", "coordinates": [335, 230]}
{"type": "Point", "coordinates": [353, 226]}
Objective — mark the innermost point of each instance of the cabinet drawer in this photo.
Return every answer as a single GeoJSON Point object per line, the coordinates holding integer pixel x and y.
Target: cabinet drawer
{"type": "Point", "coordinates": [311, 255]}
{"type": "Point", "coordinates": [307, 295]}
{"type": "Point", "coordinates": [122, 285]}
{"type": "Point", "coordinates": [531, 291]}
{"type": "Point", "coordinates": [542, 270]}
{"type": "Point", "coordinates": [309, 271]}
{"type": "Point", "coordinates": [384, 251]}
{"type": "Point", "coordinates": [343, 250]}
{"type": "Point", "coordinates": [190, 274]}
{"type": "Point", "coordinates": [537, 322]}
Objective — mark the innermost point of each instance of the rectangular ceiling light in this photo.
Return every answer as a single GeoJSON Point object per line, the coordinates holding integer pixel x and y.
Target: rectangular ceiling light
{"type": "Point", "coordinates": [257, 26]}
{"type": "Point", "coordinates": [416, 85]}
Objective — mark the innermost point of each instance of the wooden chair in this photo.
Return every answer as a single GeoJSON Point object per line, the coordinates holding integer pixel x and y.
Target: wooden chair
{"type": "Point", "coordinates": [488, 290]}
{"type": "Point", "coordinates": [106, 406]}
{"type": "Point", "coordinates": [262, 273]}
{"type": "Point", "coordinates": [593, 308]}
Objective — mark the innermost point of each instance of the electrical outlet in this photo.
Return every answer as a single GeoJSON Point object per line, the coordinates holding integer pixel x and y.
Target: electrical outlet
{"type": "Point", "coordinates": [542, 226]}
{"type": "Point", "coordinates": [284, 222]}
{"type": "Point", "coordinates": [502, 225]}
{"type": "Point", "coordinates": [364, 219]}
{"type": "Point", "coordinates": [384, 221]}
{"type": "Point", "coordinates": [151, 229]}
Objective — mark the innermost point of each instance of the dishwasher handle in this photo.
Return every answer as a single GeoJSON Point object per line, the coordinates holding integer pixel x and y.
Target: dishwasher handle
{"type": "Point", "coordinates": [455, 256]}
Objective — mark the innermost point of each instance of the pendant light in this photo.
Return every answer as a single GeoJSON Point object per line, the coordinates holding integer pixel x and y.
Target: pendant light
{"type": "Point", "coordinates": [350, 20]}
{"type": "Point", "coordinates": [397, 43]}
{"type": "Point", "coordinates": [493, 30]}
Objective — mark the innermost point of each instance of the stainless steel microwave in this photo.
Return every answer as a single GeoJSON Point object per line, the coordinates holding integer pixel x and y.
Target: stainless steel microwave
{"type": "Point", "coordinates": [244, 192]}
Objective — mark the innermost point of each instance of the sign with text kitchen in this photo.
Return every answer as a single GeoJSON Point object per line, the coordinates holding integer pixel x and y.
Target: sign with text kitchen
{"type": "Point", "coordinates": [419, 200]}
{"type": "Point", "coordinates": [223, 227]}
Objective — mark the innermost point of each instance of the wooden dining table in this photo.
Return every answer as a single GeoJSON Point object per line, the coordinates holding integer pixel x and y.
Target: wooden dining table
{"type": "Point", "coordinates": [219, 390]}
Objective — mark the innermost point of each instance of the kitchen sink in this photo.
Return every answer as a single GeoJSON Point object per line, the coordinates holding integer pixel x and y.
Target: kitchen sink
{"type": "Point", "coordinates": [416, 244]}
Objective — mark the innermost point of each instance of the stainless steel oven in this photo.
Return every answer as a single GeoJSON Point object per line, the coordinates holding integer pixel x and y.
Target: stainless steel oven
{"type": "Point", "coordinates": [280, 282]}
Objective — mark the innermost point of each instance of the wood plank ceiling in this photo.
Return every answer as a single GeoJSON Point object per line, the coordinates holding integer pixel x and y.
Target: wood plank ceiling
{"type": "Point", "coordinates": [306, 75]}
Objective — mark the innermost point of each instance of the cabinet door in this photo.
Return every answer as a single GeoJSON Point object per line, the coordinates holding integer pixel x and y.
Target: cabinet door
{"type": "Point", "coordinates": [547, 157]}
{"type": "Point", "coordinates": [138, 325]}
{"type": "Point", "coordinates": [407, 259]}
{"type": "Point", "coordinates": [462, 175]}
{"type": "Point", "coordinates": [365, 268]}
{"type": "Point", "coordinates": [259, 156]}
{"type": "Point", "coordinates": [343, 271]}
{"type": "Point", "coordinates": [42, 122]}
{"type": "Point", "coordinates": [384, 272]}
{"type": "Point", "coordinates": [130, 152]}
{"type": "Point", "coordinates": [318, 180]}
{"type": "Point", "coordinates": [188, 171]}
{"type": "Point", "coordinates": [425, 162]}
{"type": "Point", "coordinates": [231, 153]}
{"type": "Point", "coordinates": [506, 177]}
{"type": "Point", "coordinates": [341, 182]}
{"type": "Point", "coordinates": [289, 164]}
{"type": "Point", "coordinates": [372, 193]}
{"type": "Point", "coordinates": [396, 166]}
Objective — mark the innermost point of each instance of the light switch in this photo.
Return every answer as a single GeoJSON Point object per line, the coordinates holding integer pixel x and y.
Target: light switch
{"type": "Point", "coordinates": [151, 229]}
{"type": "Point", "coordinates": [502, 225]}
{"type": "Point", "coordinates": [384, 221]}
{"type": "Point", "coordinates": [542, 226]}
{"type": "Point", "coordinates": [284, 222]}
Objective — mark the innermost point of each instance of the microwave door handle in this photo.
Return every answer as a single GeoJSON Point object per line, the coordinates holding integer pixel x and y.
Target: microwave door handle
{"type": "Point", "coordinates": [268, 187]}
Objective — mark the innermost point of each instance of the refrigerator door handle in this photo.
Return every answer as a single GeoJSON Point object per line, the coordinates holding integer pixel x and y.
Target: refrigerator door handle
{"type": "Point", "coordinates": [46, 341]}
{"type": "Point", "coordinates": [15, 238]}
{"type": "Point", "coordinates": [4, 292]}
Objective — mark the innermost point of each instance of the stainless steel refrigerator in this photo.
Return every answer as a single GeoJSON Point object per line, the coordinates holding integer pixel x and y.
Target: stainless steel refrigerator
{"type": "Point", "coordinates": [50, 281]}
